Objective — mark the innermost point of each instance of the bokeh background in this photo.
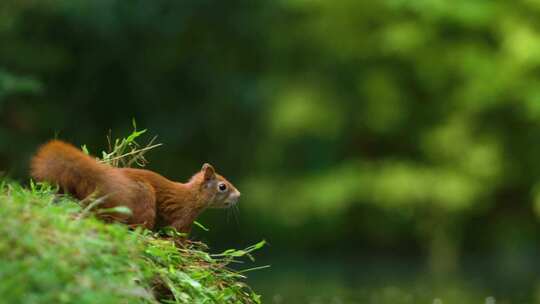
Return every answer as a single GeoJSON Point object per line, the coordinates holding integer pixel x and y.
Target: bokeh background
{"type": "Point", "coordinates": [389, 151]}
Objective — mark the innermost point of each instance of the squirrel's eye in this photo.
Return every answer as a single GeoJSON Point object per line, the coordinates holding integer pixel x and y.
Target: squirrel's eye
{"type": "Point", "coordinates": [222, 187]}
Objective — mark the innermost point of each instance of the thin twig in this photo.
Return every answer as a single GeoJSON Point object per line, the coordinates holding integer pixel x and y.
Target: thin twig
{"type": "Point", "coordinates": [91, 206]}
{"type": "Point", "coordinates": [131, 153]}
{"type": "Point", "coordinates": [142, 151]}
{"type": "Point", "coordinates": [254, 268]}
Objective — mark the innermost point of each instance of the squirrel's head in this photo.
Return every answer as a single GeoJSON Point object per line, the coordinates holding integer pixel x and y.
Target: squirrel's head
{"type": "Point", "coordinates": [218, 191]}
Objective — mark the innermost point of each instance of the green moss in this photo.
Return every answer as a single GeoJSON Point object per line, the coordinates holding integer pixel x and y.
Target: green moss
{"type": "Point", "coordinates": [52, 252]}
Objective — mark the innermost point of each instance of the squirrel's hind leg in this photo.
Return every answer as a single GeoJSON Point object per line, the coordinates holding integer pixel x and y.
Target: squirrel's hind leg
{"type": "Point", "coordinates": [144, 207]}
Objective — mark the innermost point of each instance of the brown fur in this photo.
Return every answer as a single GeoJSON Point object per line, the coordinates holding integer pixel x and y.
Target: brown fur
{"type": "Point", "coordinates": [154, 200]}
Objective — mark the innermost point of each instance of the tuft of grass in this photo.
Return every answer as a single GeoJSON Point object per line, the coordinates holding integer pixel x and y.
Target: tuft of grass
{"type": "Point", "coordinates": [52, 250]}
{"type": "Point", "coordinates": [126, 152]}
{"type": "Point", "coordinates": [197, 274]}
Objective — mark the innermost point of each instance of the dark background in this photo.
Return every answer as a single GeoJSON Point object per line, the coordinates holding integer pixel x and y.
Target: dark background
{"type": "Point", "coordinates": [376, 143]}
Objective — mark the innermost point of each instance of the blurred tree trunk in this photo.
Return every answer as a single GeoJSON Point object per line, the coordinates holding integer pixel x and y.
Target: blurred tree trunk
{"type": "Point", "coordinates": [443, 243]}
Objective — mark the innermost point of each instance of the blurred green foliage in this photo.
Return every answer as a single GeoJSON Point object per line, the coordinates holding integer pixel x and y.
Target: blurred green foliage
{"type": "Point", "coordinates": [387, 124]}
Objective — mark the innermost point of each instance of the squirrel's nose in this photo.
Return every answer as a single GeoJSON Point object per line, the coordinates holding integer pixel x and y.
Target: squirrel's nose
{"type": "Point", "coordinates": [236, 194]}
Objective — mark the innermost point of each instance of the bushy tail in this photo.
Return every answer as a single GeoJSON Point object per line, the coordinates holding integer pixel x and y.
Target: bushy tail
{"type": "Point", "coordinates": [61, 163]}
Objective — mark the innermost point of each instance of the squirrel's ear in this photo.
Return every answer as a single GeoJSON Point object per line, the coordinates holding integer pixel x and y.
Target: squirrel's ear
{"type": "Point", "coordinates": [208, 171]}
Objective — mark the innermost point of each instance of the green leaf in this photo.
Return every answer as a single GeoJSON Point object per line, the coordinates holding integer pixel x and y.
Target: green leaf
{"type": "Point", "coordinates": [85, 150]}
{"type": "Point", "coordinates": [200, 226]}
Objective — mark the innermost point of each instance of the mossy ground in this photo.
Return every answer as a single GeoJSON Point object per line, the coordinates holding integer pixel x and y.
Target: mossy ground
{"type": "Point", "coordinates": [53, 251]}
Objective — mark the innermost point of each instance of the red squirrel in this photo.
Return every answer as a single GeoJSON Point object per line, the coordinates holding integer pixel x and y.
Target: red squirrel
{"type": "Point", "coordinates": [154, 200]}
